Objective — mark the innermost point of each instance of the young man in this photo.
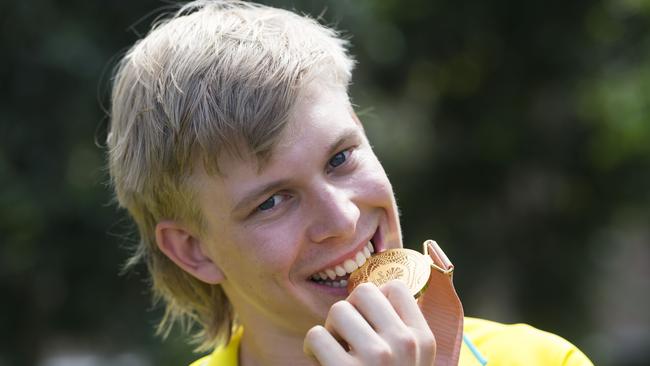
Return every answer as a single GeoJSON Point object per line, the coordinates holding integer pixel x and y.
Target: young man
{"type": "Point", "coordinates": [235, 148]}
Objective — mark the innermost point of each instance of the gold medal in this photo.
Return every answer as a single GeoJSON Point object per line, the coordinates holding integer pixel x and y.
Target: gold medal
{"type": "Point", "coordinates": [440, 306]}
{"type": "Point", "coordinates": [409, 266]}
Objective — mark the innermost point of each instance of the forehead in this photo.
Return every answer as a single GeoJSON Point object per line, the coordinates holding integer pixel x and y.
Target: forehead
{"type": "Point", "coordinates": [319, 112]}
{"type": "Point", "coordinates": [321, 118]}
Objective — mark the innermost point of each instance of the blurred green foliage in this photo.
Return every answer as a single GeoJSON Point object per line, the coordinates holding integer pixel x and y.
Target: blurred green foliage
{"type": "Point", "coordinates": [515, 133]}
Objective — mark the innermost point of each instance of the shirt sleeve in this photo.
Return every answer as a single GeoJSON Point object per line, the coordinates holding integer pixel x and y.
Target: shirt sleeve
{"type": "Point", "coordinates": [521, 344]}
{"type": "Point", "coordinates": [576, 358]}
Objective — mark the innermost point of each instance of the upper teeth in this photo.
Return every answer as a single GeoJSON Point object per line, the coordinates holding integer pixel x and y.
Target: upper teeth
{"type": "Point", "coordinates": [348, 266]}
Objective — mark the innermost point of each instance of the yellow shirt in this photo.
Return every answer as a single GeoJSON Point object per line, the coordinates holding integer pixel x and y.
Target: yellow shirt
{"type": "Point", "coordinates": [485, 343]}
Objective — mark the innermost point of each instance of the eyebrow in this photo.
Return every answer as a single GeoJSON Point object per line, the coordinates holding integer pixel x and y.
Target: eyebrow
{"type": "Point", "coordinates": [266, 189]}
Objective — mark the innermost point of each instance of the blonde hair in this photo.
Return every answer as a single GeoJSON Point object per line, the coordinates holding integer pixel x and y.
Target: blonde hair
{"type": "Point", "coordinates": [216, 77]}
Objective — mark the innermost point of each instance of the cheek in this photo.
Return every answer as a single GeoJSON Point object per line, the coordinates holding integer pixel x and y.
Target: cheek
{"type": "Point", "coordinates": [269, 250]}
{"type": "Point", "coordinates": [373, 182]}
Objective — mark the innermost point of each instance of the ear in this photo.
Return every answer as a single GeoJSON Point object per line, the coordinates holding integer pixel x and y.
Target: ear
{"type": "Point", "coordinates": [184, 249]}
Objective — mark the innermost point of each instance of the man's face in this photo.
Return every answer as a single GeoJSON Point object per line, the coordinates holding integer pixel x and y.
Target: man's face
{"type": "Point", "coordinates": [317, 203]}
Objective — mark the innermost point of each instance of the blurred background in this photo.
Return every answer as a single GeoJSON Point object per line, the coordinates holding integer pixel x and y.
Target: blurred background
{"type": "Point", "coordinates": [516, 133]}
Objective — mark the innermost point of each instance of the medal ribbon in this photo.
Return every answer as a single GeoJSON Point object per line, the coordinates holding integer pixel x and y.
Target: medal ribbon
{"type": "Point", "coordinates": [441, 307]}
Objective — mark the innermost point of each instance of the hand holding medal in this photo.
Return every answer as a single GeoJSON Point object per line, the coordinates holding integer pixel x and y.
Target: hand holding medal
{"type": "Point", "coordinates": [434, 290]}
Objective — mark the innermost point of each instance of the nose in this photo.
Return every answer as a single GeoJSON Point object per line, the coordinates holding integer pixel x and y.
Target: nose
{"type": "Point", "coordinates": [334, 215]}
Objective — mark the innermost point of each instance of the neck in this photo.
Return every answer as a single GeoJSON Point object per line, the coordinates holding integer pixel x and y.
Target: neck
{"type": "Point", "coordinates": [260, 347]}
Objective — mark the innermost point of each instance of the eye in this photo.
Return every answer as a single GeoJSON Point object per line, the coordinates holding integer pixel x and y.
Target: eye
{"type": "Point", "coordinates": [271, 202]}
{"type": "Point", "coordinates": [339, 158]}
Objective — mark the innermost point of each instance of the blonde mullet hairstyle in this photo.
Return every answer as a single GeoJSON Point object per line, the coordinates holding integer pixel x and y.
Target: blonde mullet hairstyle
{"type": "Point", "coordinates": [216, 77]}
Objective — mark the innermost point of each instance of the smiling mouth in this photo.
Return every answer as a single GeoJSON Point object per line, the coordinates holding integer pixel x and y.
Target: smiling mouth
{"type": "Point", "coordinates": [337, 275]}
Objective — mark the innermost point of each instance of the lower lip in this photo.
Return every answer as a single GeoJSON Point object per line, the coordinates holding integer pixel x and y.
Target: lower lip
{"type": "Point", "coordinates": [335, 291]}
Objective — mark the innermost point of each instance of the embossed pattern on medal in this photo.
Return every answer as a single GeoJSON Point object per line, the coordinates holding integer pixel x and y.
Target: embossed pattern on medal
{"type": "Point", "coordinates": [406, 265]}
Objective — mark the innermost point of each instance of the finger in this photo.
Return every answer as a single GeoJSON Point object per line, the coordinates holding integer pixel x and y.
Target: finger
{"type": "Point", "coordinates": [345, 323]}
{"type": "Point", "coordinates": [408, 310]}
{"type": "Point", "coordinates": [373, 305]}
{"type": "Point", "coordinates": [321, 345]}
{"type": "Point", "coordinates": [404, 304]}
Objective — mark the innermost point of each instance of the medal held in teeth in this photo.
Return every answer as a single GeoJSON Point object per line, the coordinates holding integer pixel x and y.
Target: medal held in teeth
{"type": "Point", "coordinates": [440, 306]}
{"type": "Point", "coordinates": [407, 265]}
